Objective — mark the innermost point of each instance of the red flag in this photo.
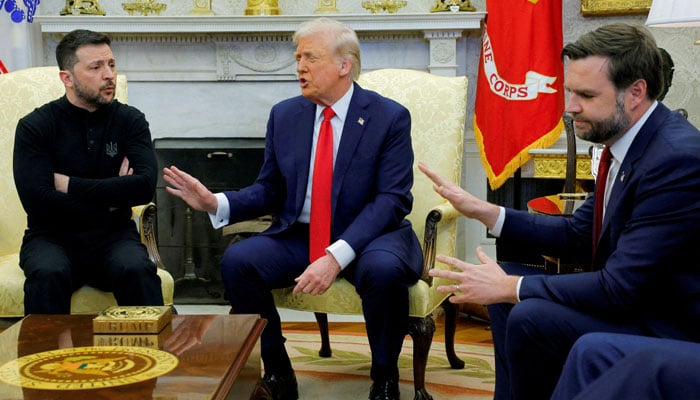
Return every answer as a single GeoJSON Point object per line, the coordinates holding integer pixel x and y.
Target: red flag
{"type": "Point", "coordinates": [3, 70]}
{"type": "Point", "coordinates": [520, 88]}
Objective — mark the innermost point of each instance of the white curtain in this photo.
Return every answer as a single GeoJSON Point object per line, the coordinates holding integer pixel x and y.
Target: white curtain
{"type": "Point", "coordinates": [16, 45]}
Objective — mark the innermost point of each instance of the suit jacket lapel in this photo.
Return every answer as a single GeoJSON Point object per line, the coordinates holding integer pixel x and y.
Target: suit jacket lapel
{"type": "Point", "coordinates": [353, 129]}
{"type": "Point", "coordinates": [302, 128]}
{"type": "Point", "coordinates": [637, 149]}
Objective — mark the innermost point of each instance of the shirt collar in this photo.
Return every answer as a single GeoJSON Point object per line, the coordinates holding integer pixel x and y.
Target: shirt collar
{"type": "Point", "coordinates": [620, 147]}
{"type": "Point", "coordinates": [340, 107]}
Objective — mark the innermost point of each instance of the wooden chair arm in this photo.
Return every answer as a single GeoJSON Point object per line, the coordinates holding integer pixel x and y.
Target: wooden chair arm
{"type": "Point", "coordinates": [444, 212]}
{"type": "Point", "coordinates": [144, 216]}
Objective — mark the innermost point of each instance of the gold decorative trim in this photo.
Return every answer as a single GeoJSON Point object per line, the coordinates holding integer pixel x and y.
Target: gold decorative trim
{"type": "Point", "coordinates": [445, 5]}
{"type": "Point", "coordinates": [326, 7]}
{"type": "Point", "coordinates": [262, 7]}
{"type": "Point", "coordinates": [591, 8]}
{"type": "Point", "coordinates": [201, 7]}
{"type": "Point", "coordinates": [553, 166]}
{"type": "Point", "coordinates": [84, 7]}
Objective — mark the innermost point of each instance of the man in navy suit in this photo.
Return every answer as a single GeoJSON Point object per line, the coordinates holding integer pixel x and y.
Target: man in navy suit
{"type": "Point", "coordinates": [617, 366]}
{"type": "Point", "coordinates": [640, 281]}
{"type": "Point", "coordinates": [372, 244]}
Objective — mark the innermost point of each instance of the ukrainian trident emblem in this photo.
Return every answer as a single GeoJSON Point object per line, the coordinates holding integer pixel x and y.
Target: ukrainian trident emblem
{"type": "Point", "coordinates": [111, 149]}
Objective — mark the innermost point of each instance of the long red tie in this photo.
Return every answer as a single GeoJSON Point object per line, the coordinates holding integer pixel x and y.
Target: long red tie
{"type": "Point", "coordinates": [320, 219]}
{"type": "Point", "coordinates": [601, 179]}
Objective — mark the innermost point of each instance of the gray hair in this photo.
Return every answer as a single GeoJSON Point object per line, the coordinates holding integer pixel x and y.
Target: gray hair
{"type": "Point", "coordinates": [345, 41]}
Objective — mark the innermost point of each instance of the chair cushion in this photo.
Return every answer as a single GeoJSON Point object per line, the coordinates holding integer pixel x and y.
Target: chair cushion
{"type": "Point", "coordinates": [341, 298]}
{"type": "Point", "coordinates": [85, 300]}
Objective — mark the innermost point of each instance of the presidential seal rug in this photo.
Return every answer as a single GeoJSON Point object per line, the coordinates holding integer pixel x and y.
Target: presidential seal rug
{"type": "Point", "coordinates": [87, 367]}
{"type": "Point", "coordinates": [345, 375]}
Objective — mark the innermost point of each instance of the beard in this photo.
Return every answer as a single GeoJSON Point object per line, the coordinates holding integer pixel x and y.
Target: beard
{"type": "Point", "coordinates": [95, 98]}
{"type": "Point", "coordinates": [602, 130]}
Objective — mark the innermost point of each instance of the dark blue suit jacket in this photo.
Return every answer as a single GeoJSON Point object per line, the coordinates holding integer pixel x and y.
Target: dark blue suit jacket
{"type": "Point", "coordinates": [372, 176]}
{"type": "Point", "coordinates": [648, 258]}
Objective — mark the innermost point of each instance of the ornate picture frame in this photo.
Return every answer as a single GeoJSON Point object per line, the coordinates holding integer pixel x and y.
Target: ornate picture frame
{"type": "Point", "coordinates": [590, 8]}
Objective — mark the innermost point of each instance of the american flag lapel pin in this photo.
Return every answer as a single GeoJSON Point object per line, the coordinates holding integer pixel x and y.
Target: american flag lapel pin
{"type": "Point", "coordinates": [361, 121]}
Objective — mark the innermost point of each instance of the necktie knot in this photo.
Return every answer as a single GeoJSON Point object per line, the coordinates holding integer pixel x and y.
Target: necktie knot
{"type": "Point", "coordinates": [328, 113]}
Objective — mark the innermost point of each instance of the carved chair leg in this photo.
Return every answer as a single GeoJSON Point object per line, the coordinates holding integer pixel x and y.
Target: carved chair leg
{"type": "Point", "coordinates": [322, 321]}
{"type": "Point", "coordinates": [421, 331]}
{"type": "Point", "coordinates": [450, 328]}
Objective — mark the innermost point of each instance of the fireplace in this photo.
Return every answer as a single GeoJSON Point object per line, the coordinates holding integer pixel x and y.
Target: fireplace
{"type": "Point", "coordinates": [189, 246]}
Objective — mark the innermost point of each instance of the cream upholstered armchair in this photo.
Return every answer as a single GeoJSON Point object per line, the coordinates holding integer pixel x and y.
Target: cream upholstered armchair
{"type": "Point", "coordinates": [438, 111]}
{"type": "Point", "coordinates": [20, 92]}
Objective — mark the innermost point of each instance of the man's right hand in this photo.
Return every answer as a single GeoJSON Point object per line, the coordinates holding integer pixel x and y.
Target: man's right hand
{"type": "Point", "coordinates": [189, 189]}
{"type": "Point", "coordinates": [469, 205]}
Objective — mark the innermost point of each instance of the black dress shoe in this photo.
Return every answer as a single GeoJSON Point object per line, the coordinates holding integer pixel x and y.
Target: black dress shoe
{"type": "Point", "coordinates": [384, 390]}
{"type": "Point", "coordinates": [282, 386]}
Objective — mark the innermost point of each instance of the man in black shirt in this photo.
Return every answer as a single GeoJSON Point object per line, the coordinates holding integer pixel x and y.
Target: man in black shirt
{"type": "Point", "coordinates": [80, 163]}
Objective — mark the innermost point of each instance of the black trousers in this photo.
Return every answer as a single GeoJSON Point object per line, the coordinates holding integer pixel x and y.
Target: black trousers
{"type": "Point", "coordinates": [111, 260]}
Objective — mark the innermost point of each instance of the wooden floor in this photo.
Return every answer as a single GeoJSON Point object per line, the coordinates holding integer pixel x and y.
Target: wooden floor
{"type": "Point", "coordinates": [469, 329]}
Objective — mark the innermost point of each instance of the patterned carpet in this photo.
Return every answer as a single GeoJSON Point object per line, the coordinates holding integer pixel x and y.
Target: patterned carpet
{"type": "Point", "coordinates": [345, 375]}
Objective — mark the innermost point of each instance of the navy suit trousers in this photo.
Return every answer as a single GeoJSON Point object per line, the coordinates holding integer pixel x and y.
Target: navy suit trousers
{"type": "Point", "coordinates": [532, 339]}
{"type": "Point", "coordinates": [604, 366]}
{"type": "Point", "coordinates": [252, 267]}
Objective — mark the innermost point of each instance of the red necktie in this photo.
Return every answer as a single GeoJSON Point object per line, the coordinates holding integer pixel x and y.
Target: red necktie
{"type": "Point", "coordinates": [320, 220]}
{"type": "Point", "coordinates": [601, 179]}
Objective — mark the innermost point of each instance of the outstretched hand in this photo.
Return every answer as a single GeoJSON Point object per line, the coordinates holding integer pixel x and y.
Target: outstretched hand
{"type": "Point", "coordinates": [467, 204]}
{"type": "Point", "coordinates": [484, 283]}
{"type": "Point", "coordinates": [189, 189]}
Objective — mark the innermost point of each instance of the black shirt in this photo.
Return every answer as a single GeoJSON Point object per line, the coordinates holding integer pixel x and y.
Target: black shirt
{"type": "Point", "coordinates": [89, 147]}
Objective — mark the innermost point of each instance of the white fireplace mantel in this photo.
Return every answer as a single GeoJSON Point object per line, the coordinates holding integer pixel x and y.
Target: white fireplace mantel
{"type": "Point", "coordinates": [258, 47]}
{"type": "Point", "coordinates": [247, 24]}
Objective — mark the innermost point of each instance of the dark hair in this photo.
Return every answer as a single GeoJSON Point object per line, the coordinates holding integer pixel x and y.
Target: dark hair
{"type": "Point", "coordinates": [632, 53]}
{"type": "Point", "coordinates": [66, 49]}
{"type": "Point", "coordinates": [668, 71]}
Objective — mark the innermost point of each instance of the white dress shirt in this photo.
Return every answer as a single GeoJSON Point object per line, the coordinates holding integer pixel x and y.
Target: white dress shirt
{"type": "Point", "coordinates": [340, 250]}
